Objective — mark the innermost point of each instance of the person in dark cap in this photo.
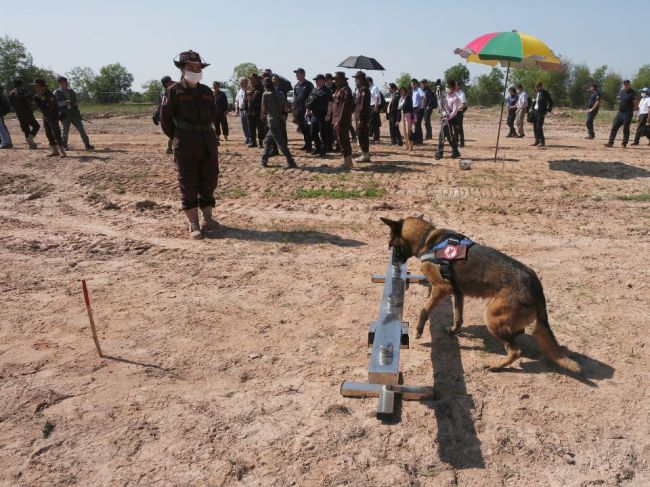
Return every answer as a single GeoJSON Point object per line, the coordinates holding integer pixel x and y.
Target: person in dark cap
{"type": "Point", "coordinates": [362, 116]}
{"type": "Point", "coordinates": [274, 106]}
{"type": "Point", "coordinates": [69, 113]}
{"type": "Point", "coordinates": [317, 105]}
{"type": "Point", "coordinates": [5, 107]}
{"type": "Point", "coordinates": [46, 102]}
{"type": "Point", "coordinates": [166, 82]}
{"type": "Point", "coordinates": [329, 128]}
{"type": "Point", "coordinates": [301, 91]}
{"type": "Point", "coordinates": [221, 102]}
{"type": "Point", "coordinates": [342, 117]}
{"type": "Point", "coordinates": [626, 102]}
{"type": "Point", "coordinates": [22, 101]}
{"type": "Point", "coordinates": [188, 115]}
{"type": "Point", "coordinates": [593, 104]}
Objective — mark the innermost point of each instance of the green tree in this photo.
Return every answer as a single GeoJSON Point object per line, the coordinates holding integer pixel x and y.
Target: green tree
{"type": "Point", "coordinates": [81, 80]}
{"type": "Point", "coordinates": [598, 76]}
{"type": "Point", "coordinates": [611, 86]}
{"type": "Point", "coordinates": [487, 89]}
{"type": "Point", "coordinates": [642, 78]}
{"type": "Point", "coordinates": [112, 84]}
{"type": "Point", "coordinates": [404, 80]}
{"type": "Point", "coordinates": [579, 80]}
{"type": "Point", "coordinates": [14, 59]}
{"type": "Point", "coordinates": [243, 70]}
{"type": "Point", "coordinates": [459, 73]}
{"type": "Point", "coordinates": [556, 82]}
{"type": "Point", "coordinates": [152, 89]}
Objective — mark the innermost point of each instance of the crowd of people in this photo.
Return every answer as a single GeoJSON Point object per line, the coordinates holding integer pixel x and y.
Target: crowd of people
{"type": "Point", "coordinates": [328, 113]}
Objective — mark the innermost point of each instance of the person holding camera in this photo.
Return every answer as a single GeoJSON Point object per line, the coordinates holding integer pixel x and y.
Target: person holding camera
{"type": "Point", "coordinates": [460, 129]}
{"type": "Point", "coordinates": [451, 105]}
{"type": "Point", "coordinates": [69, 113]}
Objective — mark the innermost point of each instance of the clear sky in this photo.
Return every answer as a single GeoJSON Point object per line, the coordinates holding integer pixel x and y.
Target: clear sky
{"type": "Point", "coordinates": [414, 36]}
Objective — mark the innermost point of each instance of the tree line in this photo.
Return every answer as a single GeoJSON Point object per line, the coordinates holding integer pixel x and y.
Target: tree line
{"type": "Point", "coordinates": [568, 88]}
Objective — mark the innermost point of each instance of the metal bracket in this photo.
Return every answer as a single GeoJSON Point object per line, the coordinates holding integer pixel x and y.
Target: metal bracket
{"type": "Point", "coordinates": [387, 336]}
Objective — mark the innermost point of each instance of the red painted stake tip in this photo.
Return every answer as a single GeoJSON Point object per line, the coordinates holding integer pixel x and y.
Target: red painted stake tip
{"type": "Point", "coordinates": [85, 291]}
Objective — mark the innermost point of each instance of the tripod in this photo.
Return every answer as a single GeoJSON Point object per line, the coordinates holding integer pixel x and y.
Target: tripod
{"type": "Point", "coordinates": [444, 123]}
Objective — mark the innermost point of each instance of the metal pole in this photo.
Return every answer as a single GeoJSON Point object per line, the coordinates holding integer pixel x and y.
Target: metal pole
{"type": "Point", "coordinates": [503, 102]}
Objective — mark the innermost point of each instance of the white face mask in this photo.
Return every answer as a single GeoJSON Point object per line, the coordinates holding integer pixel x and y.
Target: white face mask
{"type": "Point", "coordinates": [192, 77]}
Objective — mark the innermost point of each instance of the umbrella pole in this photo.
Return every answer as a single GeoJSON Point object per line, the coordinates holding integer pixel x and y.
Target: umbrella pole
{"type": "Point", "coordinates": [503, 102]}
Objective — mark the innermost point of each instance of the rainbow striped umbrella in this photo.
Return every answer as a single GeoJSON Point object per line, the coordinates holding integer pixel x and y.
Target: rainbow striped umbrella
{"type": "Point", "coordinates": [511, 50]}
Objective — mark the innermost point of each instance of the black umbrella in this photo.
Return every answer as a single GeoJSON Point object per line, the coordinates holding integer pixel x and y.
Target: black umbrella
{"type": "Point", "coordinates": [362, 62]}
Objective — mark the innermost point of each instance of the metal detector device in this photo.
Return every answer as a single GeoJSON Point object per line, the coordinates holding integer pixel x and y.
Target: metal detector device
{"type": "Point", "coordinates": [387, 336]}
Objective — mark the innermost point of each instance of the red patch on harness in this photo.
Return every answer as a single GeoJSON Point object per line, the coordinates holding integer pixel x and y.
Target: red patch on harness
{"type": "Point", "coordinates": [451, 252]}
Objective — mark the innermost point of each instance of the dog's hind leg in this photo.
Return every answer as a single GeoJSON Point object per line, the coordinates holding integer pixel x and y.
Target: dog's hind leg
{"type": "Point", "coordinates": [505, 320]}
{"type": "Point", "coordinates": [458, 299]}
{"type": "Point", "coordinates": [435, 296]}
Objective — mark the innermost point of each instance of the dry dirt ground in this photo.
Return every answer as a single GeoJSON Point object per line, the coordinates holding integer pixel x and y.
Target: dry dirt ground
{"type": "Point", "coordinates": [226, 355]}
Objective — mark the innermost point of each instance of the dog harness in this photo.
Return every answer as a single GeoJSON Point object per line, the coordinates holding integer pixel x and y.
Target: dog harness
{"type": "Point", "coordinates": [446, 252]}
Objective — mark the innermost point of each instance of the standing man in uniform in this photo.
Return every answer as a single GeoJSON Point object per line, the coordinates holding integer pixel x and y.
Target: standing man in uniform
{"type": "Point", "coordinates": [221, 103]}
{"type": "Point", "coordinates": [46, 102]}
{"type": "Point", "coordinates": [626, 99]}
{"type": "Point", "coordinates": [274, 106]}
{"type": "Point", "coordinates": [5, 107]}
{"type": "Point", "coordinates": [522, 110]}
{"type": "Point", "coordinates": [451, 104]}
{"type": "Point", "coordinates": [188, 114]}
{"type": "Point", "coordinates": [362, 115]}
{"type": "Point", "coordinates": [69, 113]}
{"type": "Point", "coordinates": [22, 103]}
{"type": "Point", "coordinates": [375, 107]}
{"type": "Point", "coordinates": [543, 104]}
{"type": "Point", "coordinates": [166, 82]}
{"type": "Point", "coordinates": [643, 128]}
{"type": "Point", "coordinates": [342, 117]}
{"type": "Point", "coordinates": [430, 104]}
{"type": "Point", "coordinates": [317, 105]}
{"type": "Point", "coordinates": [418, 110]}
{"type": "Point", "coordinates": [460, 129]}
{"type": "Point", "coordinates": [241, 109]}
{"type": "Point", "coordinates": [393, 115]}
{"type": "Point", "coordinates": [301, 91]}
{"type": "Point", "coordinates": [593, 104]}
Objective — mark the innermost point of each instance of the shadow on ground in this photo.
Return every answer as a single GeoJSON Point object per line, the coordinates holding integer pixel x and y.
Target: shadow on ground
{"type": "Point", "coordinates": [457, 440]}
{"type": "Point", "coordinates": [599, 169]}
{"type": "Point", "coordinates": [284, 236]}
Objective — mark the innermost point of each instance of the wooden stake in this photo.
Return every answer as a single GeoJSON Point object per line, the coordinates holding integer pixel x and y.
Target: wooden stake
{"type": "Point", "coordinates": [90, 317]}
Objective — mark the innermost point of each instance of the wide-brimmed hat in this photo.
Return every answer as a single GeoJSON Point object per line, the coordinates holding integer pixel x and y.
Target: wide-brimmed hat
{"type": "Point", "coordinates": [189, 57]}
{"type": "Point", "coordinates": [39, 82]}
{"type": "Point", "coordinates": [360, 74]}
{"type": "Point", "coordinates": [340, 75]}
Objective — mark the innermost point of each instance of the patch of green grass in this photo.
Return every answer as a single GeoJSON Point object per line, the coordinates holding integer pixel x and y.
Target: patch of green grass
{"type": "Point", "coordinates": [115, 107]}
{"type": "Point", "coordinates": [339, 193]}
{"type": "Point", "coordinates": [641, 197]}
{"type": "Point", "coordinates": [234, 193]}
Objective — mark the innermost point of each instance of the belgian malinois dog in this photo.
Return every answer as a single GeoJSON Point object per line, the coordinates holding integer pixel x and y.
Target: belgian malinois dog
{"type": "Point", "coordinates": [515, 293]}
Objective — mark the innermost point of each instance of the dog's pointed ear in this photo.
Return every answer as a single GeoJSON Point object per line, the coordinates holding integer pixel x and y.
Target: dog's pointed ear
{"type": "Point", "coordinates": [394, 226]}
{"type": "Point", "coordinates": [421, 217]}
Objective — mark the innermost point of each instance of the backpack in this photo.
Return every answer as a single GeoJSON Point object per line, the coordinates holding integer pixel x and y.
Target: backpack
{"type": "Point", "coordinates": [382, 103]}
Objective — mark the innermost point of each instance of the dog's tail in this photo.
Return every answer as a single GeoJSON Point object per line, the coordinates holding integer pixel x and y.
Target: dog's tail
{"type": "Point", "coordinates": [546, 339]}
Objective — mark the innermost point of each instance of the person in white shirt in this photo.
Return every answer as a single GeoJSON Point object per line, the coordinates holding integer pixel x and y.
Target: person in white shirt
{"type": "Point", "coordinates": [460, 130]}
{"type": "Point", "coordinates": [522, 110]}
{"type": "Point", "coordinates": [375, 107]}
{"type": "Point", "coordinates": [643, 128]}
{"type": "Point", "coordinates": [451, 106]}
{"type": "Point", "coordinates": [241, 108]}
{"type": "Point", "coordinates": [417, 95]}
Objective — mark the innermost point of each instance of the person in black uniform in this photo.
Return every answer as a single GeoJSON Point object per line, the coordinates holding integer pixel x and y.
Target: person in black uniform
{"type": "Point", "coordinates": [301, 91]}
{"type": "Point", "coordinates": [542, 105]}
{"type": "Point", "coordinates": [254, 111]}
{"type": "Point", "coordinates": [188, 114]}
{"type": "Point", "coordinates": [46, 102]}
{"type": "Point", "coordinates": [22, 101]}
{"type": "Point", "coordinates": [430, 104]}
{"type": "Point", "coordinates": [626, 99]}
{"type": "Point", "coordinates": [166, 82]}
{"type": "Point", "coordinates": [593, 104]}
{"type": "Point", "coordinates": [393, 115]}
{"type": "Point", "coordinates": [221, 102]}
{"type": "Point", "coordinates": [317, 105]}
{"type": "Point", "coordinates": [274, 107]}
{"type": "Point", "coordinates": [362, 116]}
